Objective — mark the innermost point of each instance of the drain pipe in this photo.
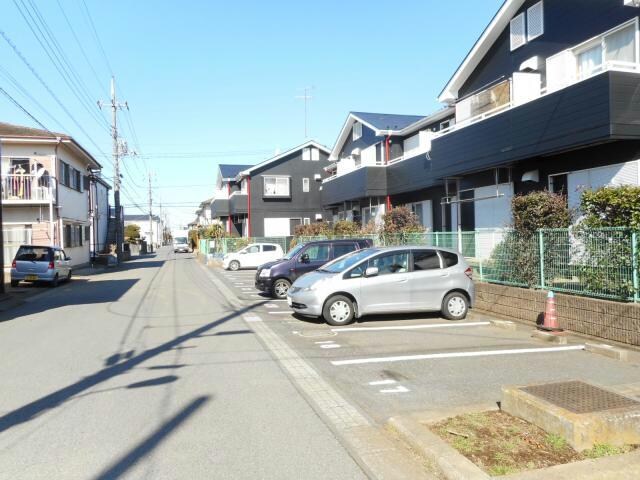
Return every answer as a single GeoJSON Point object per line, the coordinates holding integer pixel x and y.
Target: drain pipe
{"type": "Point", "coordinates": [387, 157]}
{"type": "Point", "coordinates": [229, 214]}
{"type": "Point", "coordinates": [248, 207]}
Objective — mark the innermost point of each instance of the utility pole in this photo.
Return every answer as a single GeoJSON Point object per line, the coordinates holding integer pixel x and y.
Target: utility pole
{"type": "Point", "coordinates": [116, 165]}
{"type": "Point", "coordinates": [150, 216]}
{"type": "Point", "coordinates": [306, 97]}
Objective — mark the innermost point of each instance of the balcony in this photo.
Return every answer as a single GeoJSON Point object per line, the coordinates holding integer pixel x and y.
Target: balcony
{"type": "Point", "coordinates": [28, 189]}
{"type": "Point", "coordinates": [220, 207]}
{"type": "Point", "coordinates": [238, 204]}
{"type": "Point", "coordinates": [603, 107]}
{"type": "Point", "coordinates": [365, 181]}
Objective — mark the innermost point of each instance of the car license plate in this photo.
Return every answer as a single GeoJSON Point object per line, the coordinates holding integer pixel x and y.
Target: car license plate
{"type": "Point", "coordinates": [31, 277]}
{"type": "Point", "coordinates": [289, 301]}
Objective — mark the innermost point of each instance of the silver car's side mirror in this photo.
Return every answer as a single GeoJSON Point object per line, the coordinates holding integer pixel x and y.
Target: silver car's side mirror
{"type": "Point", "coordinates": [371, 272]}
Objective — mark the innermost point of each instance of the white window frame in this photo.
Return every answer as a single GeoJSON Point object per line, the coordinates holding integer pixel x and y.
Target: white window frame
{"type": "Point", "coordinates": [539, 5]}
{"type": "Point", "coordinates": [315, 154]}
{"type": "Point", "coordinates": [305, 185]}
{"type": "Point", "coordinates": [306, 154]}
{"type": "Point", "coordinates": [278, 179]}
{"type": "Point", "coordinates": [600, 40]}
{"type": "Point", "coordinates": [306, 221]}
{"type": "Point", "coordinates": [357, 131]}
{"type": "Point", "coordinates": [515, 21]}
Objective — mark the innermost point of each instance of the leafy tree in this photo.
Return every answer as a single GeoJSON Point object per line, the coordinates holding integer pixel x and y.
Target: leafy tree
{"type": "Point", "coordinates": [132, 232]}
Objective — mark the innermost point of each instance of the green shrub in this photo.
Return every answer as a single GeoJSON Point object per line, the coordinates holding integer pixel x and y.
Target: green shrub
{"type": "Point", "coordinates": [538, 210]}
{"type": "Point", "coordinates": [611, 207]}
{"type": "Point", "coordinates": [516, 260]}
{"type": "Point", "coordinates": [345, 228]}
{"type": "Point", "coordinates": [401, 220]}
{"type": "Point", "coordinates": [607, 259]}
{"type": "Point", "coordinates": [312, 230]}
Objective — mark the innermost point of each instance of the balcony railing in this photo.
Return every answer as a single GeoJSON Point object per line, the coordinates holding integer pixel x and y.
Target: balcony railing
{"type": "Point", "coordinates": [28, 188]}
{"type": "Point", "coordinates": [597, 70]}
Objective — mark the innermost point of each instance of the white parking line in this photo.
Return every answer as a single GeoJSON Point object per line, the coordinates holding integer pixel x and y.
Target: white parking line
{"type": "Point", "coordinates": [382, 382]}
{"type": "Point", "coordinates": [432, 356]}
{"type": "Point", "coordinates": [398, 389]}
{"type": "Point", "coordinates": [412, 327]}
{"type": "Point", "coordinates": [330, 345]}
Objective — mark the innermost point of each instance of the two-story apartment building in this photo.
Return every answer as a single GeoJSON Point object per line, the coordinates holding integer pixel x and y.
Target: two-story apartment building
{"type": "Point", "coordinates": [272, 197]}
{"type": "Point", "coordinates": [46, 184]}
{"type": "Point", "coordinates": [547, 98]}
{"type": "Point", "coordinates": [369, 165]}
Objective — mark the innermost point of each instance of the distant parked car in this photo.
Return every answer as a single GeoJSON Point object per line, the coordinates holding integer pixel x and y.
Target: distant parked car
{"type": "Point", "coordinates": [275, 278]}
{"type": "Point", "coordinates": [34, 263]}
{"type": "Point", "coordinates": [252, 256]}
{"type": "Point", "coordinates": [386, 280]}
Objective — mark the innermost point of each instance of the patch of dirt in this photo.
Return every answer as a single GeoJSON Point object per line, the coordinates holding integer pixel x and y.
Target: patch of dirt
{"type": "Point", "coordinates": [501, 444]}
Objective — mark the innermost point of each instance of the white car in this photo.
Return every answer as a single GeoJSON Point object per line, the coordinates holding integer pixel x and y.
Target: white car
{"type": "Point", "coordinates": [252, 256]}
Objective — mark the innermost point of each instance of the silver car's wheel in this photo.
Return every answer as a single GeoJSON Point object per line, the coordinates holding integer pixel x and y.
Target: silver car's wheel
{"type": "Point", "coordinates": [338, 311]}
{"type": "Point", "coordinates": [234, 265]}
{"type": "Point", "coordinates": [455, 306]}
{"type": "Point", "coordinates": [281, 288]}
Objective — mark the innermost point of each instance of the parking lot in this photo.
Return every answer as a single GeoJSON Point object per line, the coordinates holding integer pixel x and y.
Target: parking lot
{"type": "Point", "coordinates": [392, 365]}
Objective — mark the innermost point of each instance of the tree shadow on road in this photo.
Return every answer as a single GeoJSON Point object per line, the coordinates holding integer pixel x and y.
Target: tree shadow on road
{"type": "Point", "coordinates": [55, 399]}
{"type": "Point", "coordinates": [130, 459]}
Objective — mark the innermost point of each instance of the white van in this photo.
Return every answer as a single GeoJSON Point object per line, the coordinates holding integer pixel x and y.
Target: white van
{"type": "Point", "coordinates": [181, 241]}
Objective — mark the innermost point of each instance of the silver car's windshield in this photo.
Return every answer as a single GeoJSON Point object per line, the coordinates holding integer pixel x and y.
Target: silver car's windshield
{"type": "Point", "coordinates": [180, 240]}
{"type": "Point", "coordinates": [292, 253]}
{"type": "Point", "coordinates": [345, 262]}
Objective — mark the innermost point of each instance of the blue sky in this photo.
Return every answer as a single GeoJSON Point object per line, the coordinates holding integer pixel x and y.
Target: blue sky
{"type": "Point", "coordinates": [213, 82]}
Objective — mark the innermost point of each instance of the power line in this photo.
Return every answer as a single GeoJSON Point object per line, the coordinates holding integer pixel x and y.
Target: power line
{"type": "Point", "coordinates": [84, 53]}
{"type": "Point", "coordinates": [17, 104]}
{"type": "Point", "coordinates": [97, 37]}
{"type": "Point", "coordinates": [46, 86]}
{"type": "Point", "coordinates": [56, 55]}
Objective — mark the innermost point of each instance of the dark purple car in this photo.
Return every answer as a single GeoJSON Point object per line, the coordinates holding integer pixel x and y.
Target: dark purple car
{"type": "Point", "coordinates": [275, 278]}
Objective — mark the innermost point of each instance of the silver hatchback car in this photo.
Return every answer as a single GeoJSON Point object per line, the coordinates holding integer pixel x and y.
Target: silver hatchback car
{"type": "Point", "coordinates": [386, 280]}
{"type": "Point", "coordinates": [34, 263]}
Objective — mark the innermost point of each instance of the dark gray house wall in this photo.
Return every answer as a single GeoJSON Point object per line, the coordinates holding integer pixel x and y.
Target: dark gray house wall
{"type": "Point", "coordinates": [300, 204]}
{"type": "Point", "coordinates": [567, 24]}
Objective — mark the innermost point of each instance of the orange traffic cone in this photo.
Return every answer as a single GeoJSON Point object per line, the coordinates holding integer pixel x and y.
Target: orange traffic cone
{"type": "Point", "coordinates": [550, 315]}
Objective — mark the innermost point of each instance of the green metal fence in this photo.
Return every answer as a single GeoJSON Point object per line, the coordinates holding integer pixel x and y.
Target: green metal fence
{"type": "Point", "coordinates": [602, 263]}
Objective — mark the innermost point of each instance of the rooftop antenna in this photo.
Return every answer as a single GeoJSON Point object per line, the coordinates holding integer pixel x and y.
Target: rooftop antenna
{"type": "Point", "coordinates": [306, 97]}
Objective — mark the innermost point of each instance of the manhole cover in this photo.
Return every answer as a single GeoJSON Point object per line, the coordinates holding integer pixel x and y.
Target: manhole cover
{"type": "Point", "coordinates": [580, 397]}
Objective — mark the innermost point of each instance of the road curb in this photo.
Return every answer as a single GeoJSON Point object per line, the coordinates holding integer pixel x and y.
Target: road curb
{"type": "Point", "coordinates": [370, 448]}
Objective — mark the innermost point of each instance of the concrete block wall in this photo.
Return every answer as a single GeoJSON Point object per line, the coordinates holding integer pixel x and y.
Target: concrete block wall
{"type": "Point", "coordinates": [605, 319]}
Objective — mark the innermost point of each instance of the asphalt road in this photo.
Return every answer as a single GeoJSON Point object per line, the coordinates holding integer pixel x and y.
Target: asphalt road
{"type": "Point", "coordinates": [147, 372]}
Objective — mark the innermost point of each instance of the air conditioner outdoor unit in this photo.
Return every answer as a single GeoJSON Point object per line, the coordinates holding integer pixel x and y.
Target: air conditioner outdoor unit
{"type": "Point", "coordinates": [632, 3]}
{"type": "Point", "coordinates": [355, 151]}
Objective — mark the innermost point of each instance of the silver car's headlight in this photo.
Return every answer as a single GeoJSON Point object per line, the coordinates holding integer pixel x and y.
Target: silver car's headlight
{"type": "Point", "coordinates": [266, 273]}
{"type": "Point", "coordinates": [307, 289]}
